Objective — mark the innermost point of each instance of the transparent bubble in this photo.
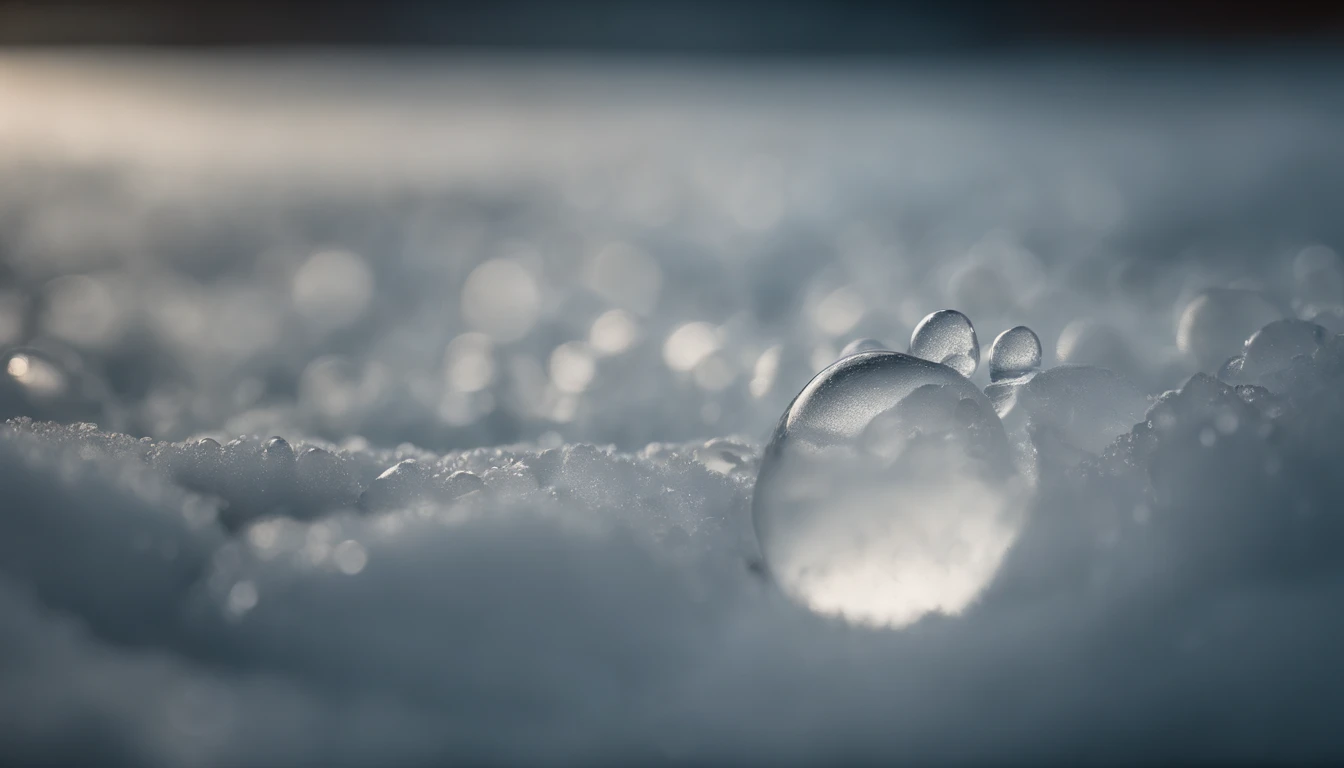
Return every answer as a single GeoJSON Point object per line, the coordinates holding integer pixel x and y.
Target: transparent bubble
{"type": "Point", "coordinates": [1216, 323]}
{"type": "Point", "coordinates": [1015, 352]}
{"type": "Point", "coordinates": [1081, 407]}
{"type": "Point", "coordinates": [880, 495]}
{"type": "Point", "coordinates": [52, 383]}
{"type": "Point", "coordinates": [947, 337]}
{"type": "Point", "coordinates": [1274, 346]}
{"type": "Point", "coordinates": [862, 345]}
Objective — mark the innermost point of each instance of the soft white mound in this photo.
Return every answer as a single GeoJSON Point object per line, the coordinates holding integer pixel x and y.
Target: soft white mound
{"type": "Point", "coordinates": [1176, 599]}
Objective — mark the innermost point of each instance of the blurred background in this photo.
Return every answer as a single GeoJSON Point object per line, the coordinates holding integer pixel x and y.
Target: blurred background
{"type": "Point", "coordinates": [459, 224]}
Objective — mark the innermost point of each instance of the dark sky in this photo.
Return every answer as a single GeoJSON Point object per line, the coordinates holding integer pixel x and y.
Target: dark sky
{"type": "Point", "coordinates": [732, 26]}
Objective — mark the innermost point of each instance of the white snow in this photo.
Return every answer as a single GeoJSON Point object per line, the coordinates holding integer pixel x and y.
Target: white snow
{"type": "Point", "coordinates": [538, 320]}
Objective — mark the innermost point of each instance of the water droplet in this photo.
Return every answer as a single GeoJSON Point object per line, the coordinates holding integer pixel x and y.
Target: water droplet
{"type": "Point", "coordinates": [1015, 352]}
{"type": "Point", "coordinates": [397, 487]}
{"type": "Point", "coordinates": [277, 448]}
{"type": "Point", "coordinates": [1216, 323]}
{"type": "Point", "coordinates": [1274, 346]}
{"type": "Point", "coordinates": [863, 345]}
{"type": "Point", "coordinates": [878, 496]}
{"type": "Point", "coordinates": [947, 337]}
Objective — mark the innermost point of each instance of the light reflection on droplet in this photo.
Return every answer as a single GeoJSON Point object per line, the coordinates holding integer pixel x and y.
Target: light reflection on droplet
{"type": "Point", "coordinates": [947, 337]}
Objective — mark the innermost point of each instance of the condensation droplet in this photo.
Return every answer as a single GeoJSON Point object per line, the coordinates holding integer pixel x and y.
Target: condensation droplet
{"type": "Point", "coordinates": [947, 337]}
{"type": "Point", "coordinates": [1015, 352]}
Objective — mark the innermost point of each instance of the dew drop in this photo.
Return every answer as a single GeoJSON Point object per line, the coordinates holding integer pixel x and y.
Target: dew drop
{"type": "Point", "coordinates": [879, 496]}
{"type": "Point", "coordinates": [947, 337]}
{"type": "Point", "coordinates": [1015, 352]}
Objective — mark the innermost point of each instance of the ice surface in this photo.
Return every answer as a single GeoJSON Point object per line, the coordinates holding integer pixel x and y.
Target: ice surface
{"type": "Point", "coordinates": [563, 304]}
{"type": "Point", "coordinates": [947, 337]}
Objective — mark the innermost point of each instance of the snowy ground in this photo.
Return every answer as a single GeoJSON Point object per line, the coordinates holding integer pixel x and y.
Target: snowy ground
{"type": "Point", "coordinates": [593, 287]}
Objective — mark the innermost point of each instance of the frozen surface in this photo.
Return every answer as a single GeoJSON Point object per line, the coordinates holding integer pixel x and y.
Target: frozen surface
{"type": "Point", "coordinates": [523, 329]}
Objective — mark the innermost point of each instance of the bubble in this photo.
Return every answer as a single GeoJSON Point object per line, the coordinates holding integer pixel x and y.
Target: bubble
{"type": "Point", "coordinates": [1081, 406]}
{"type": "Point", "coordinates": [879, 495]}
{"type": "Point", "coordinates": [500, 298]}
{"type": "Point", "coordinates": [947, 337]}
{"type": "Point", "coordinates": [1274, 346]}
{"type": "Point", "coordinates": [278, 449]}
{"type": "Point", "coordinates": [1216, 323]}
{"type": "Point", "coordinates": [862, 345]}
{"type": "Point", "coordinates": [1015, 352]}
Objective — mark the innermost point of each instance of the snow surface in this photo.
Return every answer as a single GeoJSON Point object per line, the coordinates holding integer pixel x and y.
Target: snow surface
{"type": "Point", "coordinates": [538, 320]}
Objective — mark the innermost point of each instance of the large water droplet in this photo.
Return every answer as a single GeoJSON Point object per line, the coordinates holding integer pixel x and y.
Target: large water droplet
{"type": "Point", "coordinates": [1015, 352]}
{"type": "Point", "coordinates": [862, 345]}
{"type": "Point", "coordinates": [1216, 323]}
{"type": "Point", "coordinates": [880, 494]}
{"type": "Point", "coordinates": [947, 337]}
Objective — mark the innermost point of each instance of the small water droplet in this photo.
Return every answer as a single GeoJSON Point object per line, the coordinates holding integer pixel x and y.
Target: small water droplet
{"type": "Point", "coordinates": [947, 337]}
{"type": "Point", "coordinates": [1015, 352]}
